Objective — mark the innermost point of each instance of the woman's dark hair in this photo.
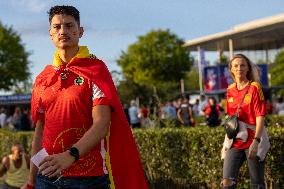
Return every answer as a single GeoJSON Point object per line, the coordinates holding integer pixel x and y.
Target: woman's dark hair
{"type": "Point", "coordinates": [212, 98]}
{"type": "Point", "coordinates": [66, 10]}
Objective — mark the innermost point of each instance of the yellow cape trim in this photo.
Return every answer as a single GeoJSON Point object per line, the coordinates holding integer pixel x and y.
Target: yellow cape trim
{"type": "Point", "coordinates": [112, 186]}
{"type": "Point", "coordinates": [82, 53]}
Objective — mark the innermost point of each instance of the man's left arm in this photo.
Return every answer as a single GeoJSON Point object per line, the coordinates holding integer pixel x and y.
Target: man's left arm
{"type": "Point", "coordinates": [54, 164]}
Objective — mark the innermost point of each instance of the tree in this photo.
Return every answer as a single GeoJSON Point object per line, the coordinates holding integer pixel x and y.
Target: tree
{"type": "Point", "coordinates": [192, 80]}
{"type": "Point", "coordinates": [223, 60]}
{"type": "Point", "coordinates": [14, 64]}
{"type": "Point", "coordinates": [128, 90]}
{"type": "Point", "coordinates": [277, 77]}
{"type": "Point", "coordinates": [157, 59]}
{"type": "Point", "coordinates": [116, 77]}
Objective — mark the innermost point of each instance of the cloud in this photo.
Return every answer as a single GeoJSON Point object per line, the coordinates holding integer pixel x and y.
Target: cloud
{"type": "Point", "coordinates": [39, 28]}
{"type": "Point", "coordinates": [31, 5]}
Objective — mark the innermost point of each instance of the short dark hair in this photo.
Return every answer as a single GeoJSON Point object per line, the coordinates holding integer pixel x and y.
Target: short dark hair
{"type": "Point", "coordinates": [66, 10]}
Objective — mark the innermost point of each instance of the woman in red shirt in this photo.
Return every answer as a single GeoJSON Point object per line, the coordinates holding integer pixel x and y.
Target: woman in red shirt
{"type": "Point", "coordinates": [212, 112]}
{"type": "Point", "coordinates": [252, 113]}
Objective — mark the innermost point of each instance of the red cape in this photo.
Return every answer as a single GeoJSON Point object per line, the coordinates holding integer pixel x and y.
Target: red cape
{"type": "Point", "coordinates": [125, 167]}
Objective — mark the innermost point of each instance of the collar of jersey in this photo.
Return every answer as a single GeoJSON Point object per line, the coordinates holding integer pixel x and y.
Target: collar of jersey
{"type": "Point", "coordinates": [82, 53]}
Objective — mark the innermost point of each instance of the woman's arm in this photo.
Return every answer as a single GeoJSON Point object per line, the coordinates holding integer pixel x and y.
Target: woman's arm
{"type": "Point", "coordinates": [258, 132]}
{"type": "Point", "coordinates": [259, 126]}
{"type": "Point", "coordinates": [179, 116]}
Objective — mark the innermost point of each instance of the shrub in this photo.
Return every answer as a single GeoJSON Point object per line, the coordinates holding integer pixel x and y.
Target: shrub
{"type": "Point", "coordinates": [192, 156]}
{"type": "Point", "coordinates": [183, 157]}
{"type": "Point", "coordinates": [274, 120]}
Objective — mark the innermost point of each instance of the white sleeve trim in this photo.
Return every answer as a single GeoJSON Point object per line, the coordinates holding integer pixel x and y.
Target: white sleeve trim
{"type": "Point", "coordinates": [97, 93]}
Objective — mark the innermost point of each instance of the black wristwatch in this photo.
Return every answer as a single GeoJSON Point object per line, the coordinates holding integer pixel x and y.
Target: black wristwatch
{"type": "Point", "coordinates": [73, 151]}
{"type": "Point", "coordinates": [257, 139]}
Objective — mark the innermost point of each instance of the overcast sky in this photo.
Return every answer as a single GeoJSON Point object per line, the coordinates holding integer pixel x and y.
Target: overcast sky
{"type": "Point", "coordinates": [112, 25]}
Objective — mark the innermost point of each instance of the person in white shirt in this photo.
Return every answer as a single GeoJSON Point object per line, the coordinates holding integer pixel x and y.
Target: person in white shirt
{"type": "Point", "coordinates": [3, 117]}
{"type": "Point", "coordinates": [279, 106]}
{"type": "Point", "coordinates": [202, 104]}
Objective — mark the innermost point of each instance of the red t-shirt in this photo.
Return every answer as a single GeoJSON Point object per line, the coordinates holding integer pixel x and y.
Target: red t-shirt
{"type": "Point", "coordinates": [252, 107]}
{"type": "Point", "coordinates": [66, 107]}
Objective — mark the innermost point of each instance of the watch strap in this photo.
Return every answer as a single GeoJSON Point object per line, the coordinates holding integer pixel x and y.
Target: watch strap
{"type": "Point", "coordinates": [257, 139]}
{"type": "Point", "coordinates": [73, 151]}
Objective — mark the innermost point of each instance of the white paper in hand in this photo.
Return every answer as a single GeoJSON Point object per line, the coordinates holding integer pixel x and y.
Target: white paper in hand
{"type": "Point", "coordinates": [37, 158]}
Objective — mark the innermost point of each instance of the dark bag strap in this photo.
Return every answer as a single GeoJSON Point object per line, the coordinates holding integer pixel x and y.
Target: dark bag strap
{"type": "Point", "coordinates": [239, 106]}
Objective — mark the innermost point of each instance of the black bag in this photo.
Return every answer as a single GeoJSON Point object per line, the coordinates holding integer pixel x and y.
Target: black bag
{"type": "Point", "coordinates": [231, 123]}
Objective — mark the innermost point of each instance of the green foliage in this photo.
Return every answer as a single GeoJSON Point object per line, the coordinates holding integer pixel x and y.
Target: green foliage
{"type": "Point", "coordinates": [224, 60]}
{"type": "Point", "coordinates": [183, 157]}
{"type": "Point", "coordinates": [13, 59]}
{"type": "Point", "coordinates": [156, 59]}
{"type": "Point", "coordinates": [193, 155]}
{"type": "Point", "coordinates": [191, 80]}
{"type": "Point", "coordinates": [8, 138]}
{"type": "Point", "coordinates": [277, 77]}
{"type": "Point", "coordinates": [129, 90]}
{"type": "Point", "coordinates": [274, 120]}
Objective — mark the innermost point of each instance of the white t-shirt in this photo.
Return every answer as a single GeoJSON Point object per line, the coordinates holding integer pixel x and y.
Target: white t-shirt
{"type": "Point", "coordinates": [3, 118]}
{"type": "Point", "coordinates": [279, 108]}
{"type": "Point", "coordinates": [201, 107]}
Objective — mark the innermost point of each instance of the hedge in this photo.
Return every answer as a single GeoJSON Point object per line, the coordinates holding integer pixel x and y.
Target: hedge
{"type": "Point", "coordinates": [191, 156]}
{"type": "Point", "coordinates": [183, 157]}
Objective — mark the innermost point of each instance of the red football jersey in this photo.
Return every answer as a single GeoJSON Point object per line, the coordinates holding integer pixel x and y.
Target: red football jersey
{"type": "Point", "coordinates": [252, 107]}
{"type": "Point", "coordinates": [66, 106]}
{"type": "Point", "coordinates": [88, 83]}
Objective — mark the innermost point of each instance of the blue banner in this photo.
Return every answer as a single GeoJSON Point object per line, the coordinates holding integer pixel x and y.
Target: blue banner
{"type": "Point", "coordinates": [219, 77]}
{"type": "Point", "coordinates": [15, 99]}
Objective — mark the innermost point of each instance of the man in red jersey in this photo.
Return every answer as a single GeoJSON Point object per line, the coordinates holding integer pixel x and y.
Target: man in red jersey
{"type": "Point", "coordinates": [79, 119]}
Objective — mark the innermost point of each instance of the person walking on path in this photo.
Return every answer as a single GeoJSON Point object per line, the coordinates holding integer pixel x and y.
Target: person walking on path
{"type": "Point", "coordinates": [251, 142]}
{"type": "Point", "coordinates": [133, 115]}
{"type": "Point", "coordinates": [213, 112]}
{"type": "Point", "coordinates": [184, 114]}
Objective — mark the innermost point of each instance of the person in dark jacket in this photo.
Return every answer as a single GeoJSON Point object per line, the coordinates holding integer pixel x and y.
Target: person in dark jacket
{"type": "Point", "coordinates": [212, 112]}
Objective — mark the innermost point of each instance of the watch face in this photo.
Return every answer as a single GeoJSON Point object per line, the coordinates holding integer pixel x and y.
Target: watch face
{"type": "Point", "coordinates": [74, 152]}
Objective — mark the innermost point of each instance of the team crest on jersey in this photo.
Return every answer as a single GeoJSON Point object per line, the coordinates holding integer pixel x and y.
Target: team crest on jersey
{"type": "Point", "coordinates": [79, 81]}
{"type": "Point", "coordinates": [231, 99]}
{"type": "Point", "coordinates": [247, 99]}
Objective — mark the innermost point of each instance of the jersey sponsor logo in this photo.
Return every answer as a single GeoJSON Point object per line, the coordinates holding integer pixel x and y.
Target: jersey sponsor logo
{"type": "Point", "coordinates": [247, 99]}
{"type": "Point", "coordinates": [86, 163]}
{"type": "Point", "coordinates": [231, 99]}
{"type": "Point", "coordinates": [79, 81]}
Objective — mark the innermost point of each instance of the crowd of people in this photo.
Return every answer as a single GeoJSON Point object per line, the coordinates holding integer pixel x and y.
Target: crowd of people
{"type": "Point", "coordinates": [18, 120]}
{"type": "Point", "coordinates": [183, 112]}
{"type": "Point", "coordinates": [179, 110]}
